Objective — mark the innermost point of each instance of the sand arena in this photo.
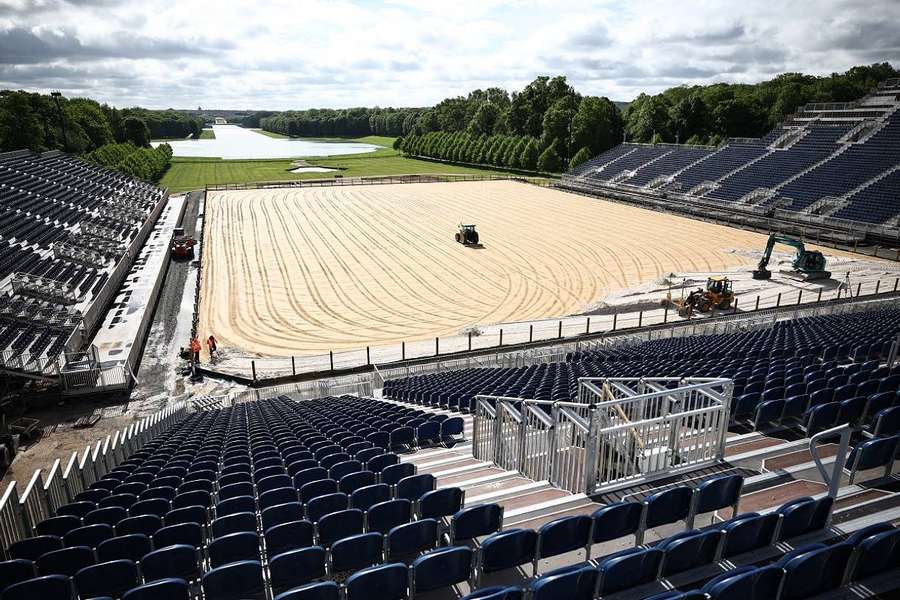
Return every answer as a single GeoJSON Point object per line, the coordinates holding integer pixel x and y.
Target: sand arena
{"type": "Point", "coordinates": [304, 271]}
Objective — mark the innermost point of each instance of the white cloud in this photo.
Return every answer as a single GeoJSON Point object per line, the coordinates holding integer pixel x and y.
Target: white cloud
{"type": "Point", "coordinates": [280, 54]}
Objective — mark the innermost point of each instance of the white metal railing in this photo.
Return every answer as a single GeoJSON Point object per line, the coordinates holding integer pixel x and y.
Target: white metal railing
{"type": "Point", "coordinates": [620, 432]}
{"type": "Point", "coordinates": [47, 490]}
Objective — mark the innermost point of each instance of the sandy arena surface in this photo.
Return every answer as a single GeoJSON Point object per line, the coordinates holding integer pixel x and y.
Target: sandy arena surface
{"type": "Point", "coordinates": [305, 271]}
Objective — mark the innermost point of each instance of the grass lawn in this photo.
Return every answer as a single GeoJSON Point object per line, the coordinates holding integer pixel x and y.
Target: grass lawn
{"type": "Point", "coordinates": [192, 173]}
{"type": "Point", "coordinates": [207, 134]}
{"type": "Point", "coordinates": [272, 134]}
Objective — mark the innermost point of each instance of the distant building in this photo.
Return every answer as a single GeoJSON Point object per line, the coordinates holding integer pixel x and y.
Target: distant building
{"type": "Point", "coordinates": [221, 121]}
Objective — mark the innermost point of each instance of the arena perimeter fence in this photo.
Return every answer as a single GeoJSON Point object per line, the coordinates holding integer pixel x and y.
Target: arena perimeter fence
{"type": "Point", "coordinates": [578, 332]}
{"type": "Point", "coordinates": [48, 490]}
{"type": "Point", "coordinates": [383, 180]}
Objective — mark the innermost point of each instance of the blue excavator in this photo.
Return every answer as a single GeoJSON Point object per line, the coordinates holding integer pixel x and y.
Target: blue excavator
{"type": "Point", "coordinates": [808, 265]}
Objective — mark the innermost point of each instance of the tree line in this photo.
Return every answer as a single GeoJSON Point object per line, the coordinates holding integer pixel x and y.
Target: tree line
{"type": "Point", "coordinates": [711, 114]}
{"type": "Point", "coordinates": [572, 127]}
{"type": "Point", "coordinates": [40, 122]}
{"type": "Point", "coordinates": [147, 164]}
{"type": "Point", "coordinates": [349, 122]}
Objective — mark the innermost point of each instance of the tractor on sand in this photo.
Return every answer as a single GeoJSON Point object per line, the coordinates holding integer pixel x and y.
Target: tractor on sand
{"type": "Point", "coordinates": [467, 235]}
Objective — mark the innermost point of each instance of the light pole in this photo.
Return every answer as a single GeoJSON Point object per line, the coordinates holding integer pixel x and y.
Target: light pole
{"type": "Point", "coordinates": [56, 95]}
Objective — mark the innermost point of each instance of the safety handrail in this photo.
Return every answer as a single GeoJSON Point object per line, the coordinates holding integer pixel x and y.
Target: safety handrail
{"type": "Point", "coordinates": [833, 481]}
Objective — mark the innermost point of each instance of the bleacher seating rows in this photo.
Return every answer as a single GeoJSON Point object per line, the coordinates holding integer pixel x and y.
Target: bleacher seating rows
{"type": "Point", "coordinates": [774, 363]}
{"type": "Point", "coordinates": [43, 200]}
{"type": "Point", "coordinates": [822, 163]}
{"type": "Point", "coordinates": [228, 502]}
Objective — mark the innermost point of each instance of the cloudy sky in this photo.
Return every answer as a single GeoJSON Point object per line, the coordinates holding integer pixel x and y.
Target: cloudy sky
{"type": "Point", "coordinates": [275, 54]}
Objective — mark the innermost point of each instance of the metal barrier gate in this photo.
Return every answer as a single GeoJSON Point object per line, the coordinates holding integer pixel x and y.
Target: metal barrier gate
{"type": "Point", "coordinates": [619, 432]}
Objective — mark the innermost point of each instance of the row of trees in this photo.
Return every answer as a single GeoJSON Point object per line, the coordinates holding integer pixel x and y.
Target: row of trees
{"type": "Point", "coordinates": [321, 122]}
{"type": "Point", "coordinates": [509, 151]}
{"type": "Point", "coordinates": [712, 113]}
{"type": "Point", "coordinates": [40, 122]}
{"type": "Point", "coordinates": [147, 164]}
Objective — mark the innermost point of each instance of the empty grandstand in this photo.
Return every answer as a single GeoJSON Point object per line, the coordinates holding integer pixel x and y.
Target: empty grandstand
{"type": "Point", "coordinates": [376, 499]}
{"type": "Point", "coordinates": [70, 232]}
{"type": "Point", "coordinates": [833, 165]}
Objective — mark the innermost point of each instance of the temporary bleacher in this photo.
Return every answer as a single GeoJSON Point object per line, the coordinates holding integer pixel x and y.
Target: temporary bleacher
{"type": "Point", "coordinates": [338, 497]}
{"type": "Point", "coordinates": [823, 151]}
{"type": "Point", "coordinates": [66, 228]}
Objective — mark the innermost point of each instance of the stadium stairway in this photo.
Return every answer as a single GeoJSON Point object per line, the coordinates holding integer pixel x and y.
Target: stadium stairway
{"type": "Point", "coordinates": [776, 470]}
{"type": "Point", "coordinates": [526, 503]}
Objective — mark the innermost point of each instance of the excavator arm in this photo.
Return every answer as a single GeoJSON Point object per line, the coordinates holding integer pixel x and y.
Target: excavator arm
{"type": "Point", "coordinates": [811, 263]}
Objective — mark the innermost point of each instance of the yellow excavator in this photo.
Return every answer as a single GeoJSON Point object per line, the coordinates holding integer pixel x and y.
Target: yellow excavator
{"type": "Point", "coordinates": [718, 294]}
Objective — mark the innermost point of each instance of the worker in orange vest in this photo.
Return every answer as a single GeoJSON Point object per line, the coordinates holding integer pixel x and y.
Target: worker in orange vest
{"type": "Point", "coordinates": [195, 350]}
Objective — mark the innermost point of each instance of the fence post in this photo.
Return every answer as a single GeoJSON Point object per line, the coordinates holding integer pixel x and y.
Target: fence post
{"type": "Point", "coordinates": [587, 327]}
{"type": "Point", "coordinates": [368, 357]}
{"type": "Point", "coordinates": [800, 297]}
{"type": "Point", "coordinates": [666, 314]}
{"type": "Point", "coordinates": [640, 318]}
{"type": "Point", "coordinates": [877, 286]}
{"type": "Point", "coordinates": [778, 301]}
{"type": "Point", "coordinates": [331, 359]}
{"type": "Point", "coordinates": [858, 288]}
{"type": "Point", "coordinates": [559, 335]}
{"type": "Point", "coordinates": [253, 368]}
{"type": "Point", "coordinates": [403, 348]}
{"type": "Point", "coordinates": [293, 366]}
{"type": "Point", "coordinates": [531, 333]}
{"type": "Point", "coordinates": [437, 346]}
{"type": "Point", "coordinates": [501, 336]}
{"type": "Point", "coordinates": [819, 297]}
{"type": "Point", "coordinates": [896, 282]}
{"type": "Point", "coordinates": [734, 312]}
{"type": "Point", "coordinates": [615, 318]}
{"type": "Point", "coordinates": [757, 304]}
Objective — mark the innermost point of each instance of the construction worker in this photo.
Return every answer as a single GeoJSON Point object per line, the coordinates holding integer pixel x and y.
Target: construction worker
{"type": "Point", "coordinates": [211, 344]}
{"type": "Point", "coordinates": [195, 350]}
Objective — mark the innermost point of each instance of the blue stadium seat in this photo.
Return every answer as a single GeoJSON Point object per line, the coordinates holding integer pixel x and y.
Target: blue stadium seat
{"type": "Point", "coordinates": [297, 567]}
{"type": "Point", "coordinates": [575, 582]}
{"type": "Point", "coordinates": [383, 582]}
{"type": "Point", "coordinates": [235, 581]}
{"type": "Point", "coordinates": [506, 550]}
{"type": "Point", "coordinates": [288, 536]}
{"type": "Point", "coordinates": [356, 552]}
{"type": "Point", "coordinates": [325, 590]}
{"type": "Point", "coordinates": [179, 561]}
{"type": "Point", "coordinates": [475, 521]}
{"type": "Point", "coordinates": [164, 589]}
{"type": "Point", "coordinates": [627, 569]}
{"type": "Point", "coordinates": [440, 568]}
{"type": "Point", "coordinates": [111, 579]}
{"type": "Point", "coordinates": [49, 587]}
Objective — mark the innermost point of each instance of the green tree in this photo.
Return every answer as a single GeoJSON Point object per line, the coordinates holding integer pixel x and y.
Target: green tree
{"type": "Point", "coordinates": [485, 119]}
{"type": "Point", "coordinates": [645, 117]}
{"type": "Point", "coordinates": [136, 131]}
{"type": "Point", "coordinates": [581, 156]}
{"type": "Point", "coordinates": [20, 127]}
{"type": "Point", "coordinates": [596, 125]}
{"type": "Point", "coordinates": [550, 161]}
{"type": "Point", "coordinates": [530, 155]}
{"type": "Point", "coordinates": [688, 117]}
